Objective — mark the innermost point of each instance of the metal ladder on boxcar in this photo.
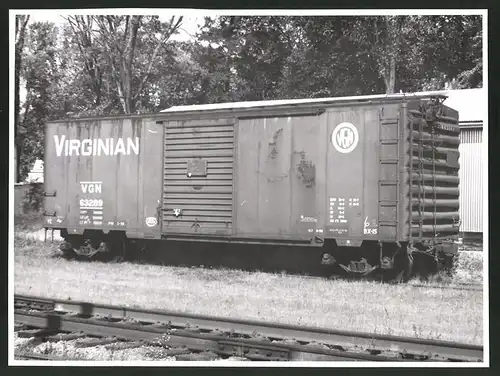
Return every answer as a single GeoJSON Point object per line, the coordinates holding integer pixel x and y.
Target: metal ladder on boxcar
{"type": "Point", "coordinates": [389, 164]}
{"type": "Point", "coordinates": [421, 180]}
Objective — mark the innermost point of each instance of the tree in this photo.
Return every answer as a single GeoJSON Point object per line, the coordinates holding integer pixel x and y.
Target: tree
{"type": "Point", "coordinates": [423, 52]}
{"type": "Point", "coordinates": [126, 48]}
{"type": "Point", "coordinates": [82, 36]}
{"type": "Point", "coordinates": [41, 72]}
{"type": "Point", "coordinates": [452, 54]}
{"type": "Point", "coordinates": [21, 24]}
{"type": "Point", "coordinates": [326, 60]}
{"type": "Point", "coordinates": [253, 51]}
{"type": "Point", "coordinates": [383, 39]}
{"type": "Point", "coordinates": [289, 57]}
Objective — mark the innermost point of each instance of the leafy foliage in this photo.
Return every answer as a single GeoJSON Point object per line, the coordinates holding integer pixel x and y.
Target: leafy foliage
{"type": "Point", "coordinates": [33, 198]}
{"type": "Point", "coordinates": [20, 36]}
{"type": "Point", "coordinates": [118, 57]}
{"type": "Point", "coordinates": [106, 65]}
{"type": "Point", "coordinates": [42, 75]}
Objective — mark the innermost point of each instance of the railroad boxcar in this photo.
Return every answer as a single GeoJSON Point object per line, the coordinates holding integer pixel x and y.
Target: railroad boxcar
{"type": "Point", "coordinates": [373, 180]}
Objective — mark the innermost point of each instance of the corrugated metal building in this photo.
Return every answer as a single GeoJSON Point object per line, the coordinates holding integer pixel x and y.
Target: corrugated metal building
{"type": "Point", "coordinates": [471, 104]}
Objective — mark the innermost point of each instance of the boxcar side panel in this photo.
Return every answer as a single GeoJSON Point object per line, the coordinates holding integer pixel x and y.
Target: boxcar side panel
{"type": "Point", "coordinates": [353, 173]}
{"type": "Point", "coordinates": [264, 192]}
{"type": "Point", "coordinates": [150, 180]}
{"type": "Point", "coordinates": [97, 171]}
{"type": "Point", "coordinates": [279, 174]}
{"type": "Point", "coordinates": [55, 176]}
{"type": "Point", "coordinates": [309, 172]}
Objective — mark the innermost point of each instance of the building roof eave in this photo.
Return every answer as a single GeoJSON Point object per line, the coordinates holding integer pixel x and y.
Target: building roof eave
{"type": "Point", "coordinates": [471, 124]}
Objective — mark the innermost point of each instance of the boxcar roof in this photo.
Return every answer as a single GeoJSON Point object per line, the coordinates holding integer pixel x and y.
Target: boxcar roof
{"type": "Point", "coordinates": [248, 106]}
{"type": "Point", "coordinates": [291, 102]}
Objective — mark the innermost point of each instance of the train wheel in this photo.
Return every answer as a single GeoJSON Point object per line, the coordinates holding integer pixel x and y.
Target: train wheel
{"type": "Point", "coordinates": [425, 265]}
{"type": "Point", "coordinates": [69, 246]}
{"type": "Point", "coordinates": [448, 264]}
{"type": "Point", "coordinates": [118, 250]}
{"type": "Point", "coordinates": [68, 253]}
{"type": "Point", "coordinates": [403, 265]}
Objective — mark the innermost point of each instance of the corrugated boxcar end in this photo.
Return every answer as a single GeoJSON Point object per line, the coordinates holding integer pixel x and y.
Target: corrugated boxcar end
{"type": "Point", "coordinates": [433, 164]}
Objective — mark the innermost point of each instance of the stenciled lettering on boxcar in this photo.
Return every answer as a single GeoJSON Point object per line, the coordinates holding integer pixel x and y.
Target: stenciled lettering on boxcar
{"type": "Point", "coordinates": [337, 210]}
{"type": "Point", "coordinates": [91, 203]}
{"type": "Point", "coordinates": [306, 170]}
{"type": "Point", "coordinates": [96, 146]}
{"type": "Point", "coordinates": [370, 226]}
{"type": "Point", "coordinates": [91, 187]}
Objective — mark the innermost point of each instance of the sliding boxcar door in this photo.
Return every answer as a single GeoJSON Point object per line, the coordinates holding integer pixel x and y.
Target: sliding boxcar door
{"type": "Point", "coordinates": [198, 177]}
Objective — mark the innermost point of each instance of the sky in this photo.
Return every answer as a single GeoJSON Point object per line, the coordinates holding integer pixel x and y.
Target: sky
{"type": "Point", "coordinates": [189, 23]}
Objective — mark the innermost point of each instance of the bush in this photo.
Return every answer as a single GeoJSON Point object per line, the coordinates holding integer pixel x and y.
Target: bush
{"type": "Point", "coordinates": [31, 221]}
{"type": "Point", "coordinates": [33, 198]}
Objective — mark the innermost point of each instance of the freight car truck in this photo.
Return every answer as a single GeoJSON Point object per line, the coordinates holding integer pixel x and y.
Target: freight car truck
{"type": "Point", "coordinates": [372, 180]}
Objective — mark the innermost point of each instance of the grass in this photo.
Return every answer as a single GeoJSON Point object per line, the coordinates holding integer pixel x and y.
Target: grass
{"type": "Point", "coordinates": [364, 306]}
{"type": "Point", "coordinates": [405, 310]}
{"type": "Point", "coordinates": [28, 222]}
{"type": "Point", "coordinates": [469, 267]}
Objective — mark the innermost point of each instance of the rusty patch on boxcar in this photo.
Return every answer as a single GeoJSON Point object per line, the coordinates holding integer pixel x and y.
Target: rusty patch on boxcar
{"type": "Point", "coordinates": [306, 170]}
{"type": "Point", "coordinates": [276, 178]}
{"type": "Point", "coordinates": [273, 147]}
{"type": "Point", "coordinates": [137, 128]}
{"type": "Point", "coordinates": [272, 170]}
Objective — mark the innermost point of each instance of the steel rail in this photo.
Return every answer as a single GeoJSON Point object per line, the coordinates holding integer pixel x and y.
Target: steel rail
{"type": "Point", "coordinates": [350, 344]}
{"type": "Point", "coordinates": [36, 356]}
{"type": "Point", "coordinates": [252, 349]}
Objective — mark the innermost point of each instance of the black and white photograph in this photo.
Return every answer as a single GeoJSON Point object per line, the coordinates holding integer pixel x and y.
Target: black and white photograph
{"type": "Point", "coordinates": [241, 188]}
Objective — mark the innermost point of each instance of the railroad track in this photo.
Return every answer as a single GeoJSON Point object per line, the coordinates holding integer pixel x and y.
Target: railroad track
{"type": "Point", "coordinates": [30, 355]}
{"type": "Point", "coordinates": [226, 337]}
